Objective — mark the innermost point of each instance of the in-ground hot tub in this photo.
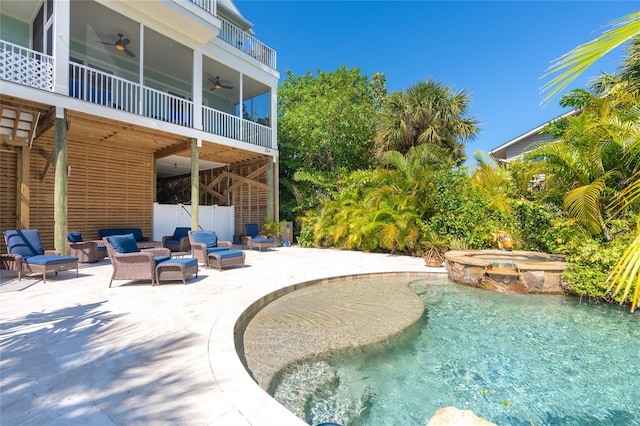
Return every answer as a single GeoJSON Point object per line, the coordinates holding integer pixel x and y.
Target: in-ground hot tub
{"type": "Point", "coordinates": [515, 271]}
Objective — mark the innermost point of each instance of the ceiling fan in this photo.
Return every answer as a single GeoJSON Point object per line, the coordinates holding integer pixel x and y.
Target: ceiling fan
{"type": "Point", "coordinates": [217, 85]}
{"type": "Point", "coordinates": [121, 45]}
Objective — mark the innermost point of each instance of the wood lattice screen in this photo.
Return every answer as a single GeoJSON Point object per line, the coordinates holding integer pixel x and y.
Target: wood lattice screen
{"type": "Point", "coordinates": [8, 185]}
{"type": "Point", "coordinates": [235, 186]}
{"type": "Point", "coordinates": [107, 187]}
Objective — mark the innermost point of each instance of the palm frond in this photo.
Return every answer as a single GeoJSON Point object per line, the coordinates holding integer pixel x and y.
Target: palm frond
{"type": "Point", "coordinates": [575, 62]}
{"type": "Point", "coordinates": [625, 276]}
{"type": "Point", "coordinates": [583, 204]}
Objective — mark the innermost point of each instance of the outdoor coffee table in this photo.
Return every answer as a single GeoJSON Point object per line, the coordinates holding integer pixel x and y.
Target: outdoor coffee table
{"type": "Point", "coordinates": [175, 254]}
{"type": "Point", "coordinates": [148, 244]}
{"type": "Point", "coordinates": [176, 269]}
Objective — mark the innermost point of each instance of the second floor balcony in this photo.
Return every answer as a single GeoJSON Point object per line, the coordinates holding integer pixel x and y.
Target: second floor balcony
{"type": "Point", "coordinates": [95, 86]}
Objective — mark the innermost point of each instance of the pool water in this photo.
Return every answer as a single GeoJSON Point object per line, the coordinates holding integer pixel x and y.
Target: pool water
{"type": "Point", "coordinates": [512, 359]}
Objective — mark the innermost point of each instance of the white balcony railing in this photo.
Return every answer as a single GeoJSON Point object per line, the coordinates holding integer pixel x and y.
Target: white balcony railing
{"type": "Point", "coordinates": [207, 5]}
{"type": "Point", "coordinates": [244, 41]}
{"type": "Point", "coordinates": [220, 123]}
{"type": "Point", "coordinates": [230, 126]}
{"type": "Point", "coordinates": [30, 68]}
{"type": "Point", "coordinates": [255, 134]}
{"type": "Point", "coordinates": [102, 88]}
{"type": "Point", "coordinates": [239, 38]}
{"type": "Point", "coordinates": [169, 108]}
{"type": "Point", "coordinates": [25, 66]}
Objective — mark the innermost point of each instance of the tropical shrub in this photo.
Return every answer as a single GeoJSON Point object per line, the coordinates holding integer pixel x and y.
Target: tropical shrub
{"type": "Point", "coordinates": [458, 211]}
{"type": "Point", "coordinates": [533, 228]}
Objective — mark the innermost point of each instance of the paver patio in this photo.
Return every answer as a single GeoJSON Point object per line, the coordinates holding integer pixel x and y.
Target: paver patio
{"type": "Point", "coordinates": [75, 352]}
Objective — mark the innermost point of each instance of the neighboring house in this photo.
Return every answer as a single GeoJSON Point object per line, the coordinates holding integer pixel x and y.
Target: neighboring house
{"type": "Point", "coordinates": [110, 106]}
{"type": "Point", "coordinates": [525, 142]}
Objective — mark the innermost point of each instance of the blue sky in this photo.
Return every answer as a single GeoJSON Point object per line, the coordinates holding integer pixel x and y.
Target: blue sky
{"type": "Point", "coordinates": [496, 50]}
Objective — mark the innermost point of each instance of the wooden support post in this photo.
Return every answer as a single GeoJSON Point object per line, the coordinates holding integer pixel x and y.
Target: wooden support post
{"type": "Point", "coordinates": [24, 189]}
{"type": "Point", "coordinates": [271, 194]}
{"type": "Point", "coordinates": [60, 185]}
{"type": "Point", "coordinates": [276, 188]}
{"type": "Point", "coordinates": [195, 186]}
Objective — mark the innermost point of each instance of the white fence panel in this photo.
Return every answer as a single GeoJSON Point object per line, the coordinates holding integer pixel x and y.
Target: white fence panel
{"type": "Point", "coordinates": [212, 218]}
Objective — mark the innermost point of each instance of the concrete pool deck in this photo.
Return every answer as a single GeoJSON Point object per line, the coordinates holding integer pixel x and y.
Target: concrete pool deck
{"type": "Point", "coordinates": [75, 352]}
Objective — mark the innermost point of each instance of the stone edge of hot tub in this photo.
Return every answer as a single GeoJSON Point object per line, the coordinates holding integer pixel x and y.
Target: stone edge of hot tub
{"type": "Point", "coordinates": [532, 277]}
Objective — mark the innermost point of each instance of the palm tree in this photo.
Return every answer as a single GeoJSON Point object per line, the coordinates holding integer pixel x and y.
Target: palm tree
{"type": "Point", "coordinates": [571, 65]}
{"type": "Point", "coordinates": [383, 209]}
{"type": "Point", "coordinates": [595, 157]}
{"type": "Point", "coordinates": [427, 113]}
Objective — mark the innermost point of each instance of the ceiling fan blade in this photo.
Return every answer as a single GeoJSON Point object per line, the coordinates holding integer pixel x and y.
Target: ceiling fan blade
{"type": "Point", "coordinates": [125, 41]}
{"type": "Point", "coordinates": [130, 53]}
{"type": "Point", "coordinates": [104, 42]}
{"type": "Point", "coordinates": [226, 87]}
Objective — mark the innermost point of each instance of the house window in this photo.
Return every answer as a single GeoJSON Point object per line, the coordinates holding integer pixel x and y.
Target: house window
{"type": "Point", "coordinates": [42, 29]}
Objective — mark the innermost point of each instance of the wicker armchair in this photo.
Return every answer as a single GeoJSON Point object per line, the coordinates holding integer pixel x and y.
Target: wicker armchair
{"type": "Point", "coordinates": [204, 243]}
{"type": "Point", "coordinates": [254, 239]}
{"type": "Point", "coordinates": [85, 251]}
{"type": "Point", "coordinates": [131, 264]}
{"type": "Point", "coordinates": [179, 241]}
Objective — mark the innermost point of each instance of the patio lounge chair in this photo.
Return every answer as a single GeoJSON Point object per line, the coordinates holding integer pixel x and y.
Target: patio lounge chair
{"type": "Point", "coordinates": [131, 263]}
{"type": "Point", "coordinates": [85, 251]}
{"type": "Point", "coordinates": [179, 241]}
{"type": "Point", "coordinates": [27, 255]}
{"type": "Point", "coordinates": [212, 252]}
{"type": "Point", "coordinates": [253, 238]}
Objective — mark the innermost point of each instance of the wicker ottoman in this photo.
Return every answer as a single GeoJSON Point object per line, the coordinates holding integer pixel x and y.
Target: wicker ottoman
{"type": "Point", "coordinates": [176, 269]}
{"type": "Point", "coordinates": [225, 259]}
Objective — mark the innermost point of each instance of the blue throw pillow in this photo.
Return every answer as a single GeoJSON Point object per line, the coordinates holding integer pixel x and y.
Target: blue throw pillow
{"type": "Point", "coordinates": [124, 243]}
{"type": "Point", "coordinates": [209, 238]}
{"type": "Point", "coordinates": [74, 237]}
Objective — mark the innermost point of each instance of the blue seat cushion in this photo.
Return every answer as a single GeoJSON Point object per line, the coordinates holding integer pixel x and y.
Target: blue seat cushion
{"type": "Point", "coordinates": [25, 242]}
{"type": "Point", "coordinates": [263, 240]}
{"type": "Point", "coordinates": [209, 238]}
{"type": "Point", "coordinates": [161, 259]}
{"type": "Point", "coordinates": [216, 249]}
{"type": "Point", "coordinates": [172, 242]}
{"type": "Point", "coordinates": [181, 232]}
{"type": "Point", "coordinates": [49, 259]}
{"type": "Point", "coordinates": [186, 261]}
{"type": "Point", "coordinates": [229, 254]}
{"type": "Point", "coordinates": [124, 243]}
{"type": "Point", "coordinates": [102, 248]}
{"type": "Point", "coordinates": [74, 237]}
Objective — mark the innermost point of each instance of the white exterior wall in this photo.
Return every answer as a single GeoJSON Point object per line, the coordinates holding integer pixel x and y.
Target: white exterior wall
{"type": "Point", "coordinates": [526, 145]}
{"type": "Point", "coordinates": [167, 217]}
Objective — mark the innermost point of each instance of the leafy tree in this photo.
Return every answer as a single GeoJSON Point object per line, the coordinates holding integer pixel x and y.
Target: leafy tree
{"type": "Point", "coordinates": [326, 126]}
{"type": "Point", "coordinates": [427, 113]}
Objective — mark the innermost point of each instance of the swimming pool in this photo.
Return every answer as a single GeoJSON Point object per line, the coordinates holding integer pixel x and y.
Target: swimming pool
{"type": "Point", "coordinates": [510, 358]}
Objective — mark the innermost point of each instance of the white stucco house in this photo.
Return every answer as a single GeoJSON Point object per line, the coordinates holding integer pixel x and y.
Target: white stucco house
{"type": "Point", "coordinates": [111, 107]}
{"type": "Point", "coordinates": [525, 142]}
